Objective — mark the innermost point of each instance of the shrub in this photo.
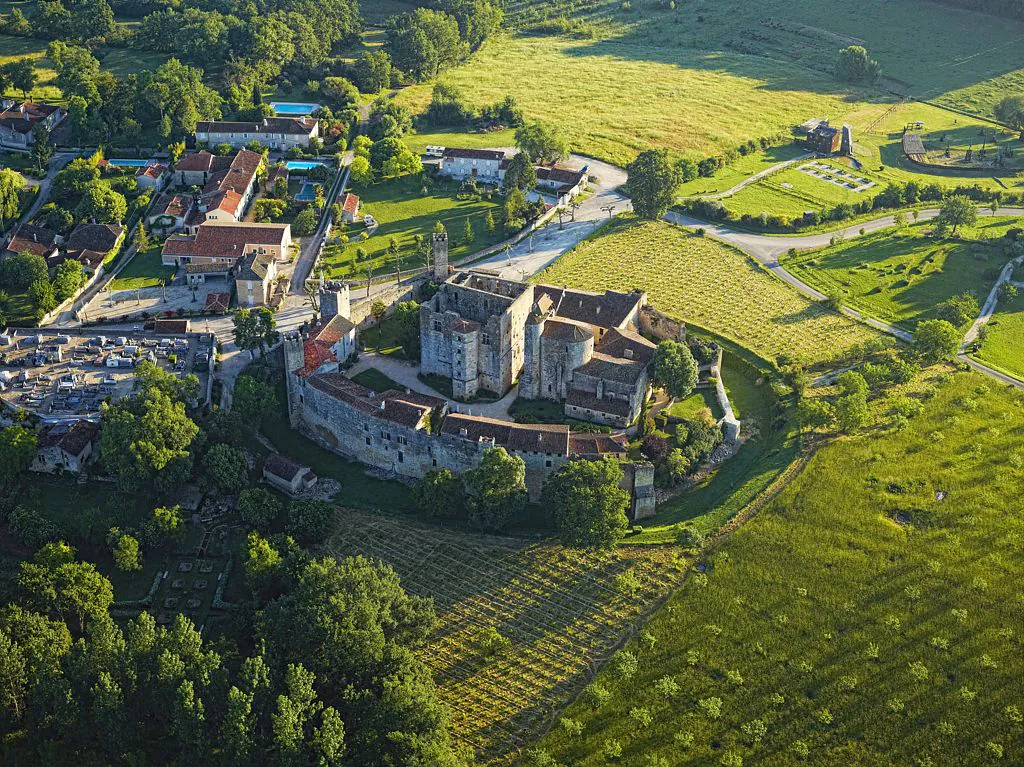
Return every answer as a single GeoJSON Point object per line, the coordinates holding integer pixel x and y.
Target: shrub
{"type": "Point", "coordinates": [959, 310]}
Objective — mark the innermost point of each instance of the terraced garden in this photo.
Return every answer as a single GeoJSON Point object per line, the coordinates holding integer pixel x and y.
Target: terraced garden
{"type": "Point", "coordinates": [902, 275]}
{"type": "Point", "coordinates": [866, 617]}
{"type": "Point", "coordinates": [522, 625]}
{"type": "Point", "coordinates": [712, 286]}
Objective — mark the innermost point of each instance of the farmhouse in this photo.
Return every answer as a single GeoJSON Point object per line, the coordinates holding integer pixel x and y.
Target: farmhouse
{"type": "Point", "coordinates": [822, 138]}
{"type": "Point", "coordinates": [563, 183]}
{"type": "Point", "coordinates": [153, 176]}
{"type": "Point", "coordinates": [65, 447]}
{"type": "Point", "coordinates": [254, 280]}
{"type": "Point", "coordinates": [274, 132]}
{"type": "Point", "coordinates": [92, 244]}
{"type": "Point", "coordinates": [38, 240]}
{"type": "Point", "coordinates": [226, 243]}
{"type": "Point", "coordinates": [479, 164]}
{"type": "Point", "coordinates": [19, 120]}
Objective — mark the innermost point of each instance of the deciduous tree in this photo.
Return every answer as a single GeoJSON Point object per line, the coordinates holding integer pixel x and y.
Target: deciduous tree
{"type": "Point", "coordinates": [674, 368]}
{"type": "Point", "coordinates": [652, 183]}
{"type": "Point", "coordinates": [495, 490]}
{"type": "Point", "coordinates": [587, 504]}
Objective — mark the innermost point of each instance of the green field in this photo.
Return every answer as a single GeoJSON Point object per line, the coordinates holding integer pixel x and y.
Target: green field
{"type": "Point", "coordinates": [706, 283]}
{"type": "Point", "coordinates": [403, 211]}
{"type": "Point", "coordinates": [418, 141]}
{"type": "Point", "coordinates": [695, 404]}
{"type": "Point", "coordinates": [740, 170]}
{"type": "Point", "coordinates": [858, 617]}
{"type": "Point", "coordinates": [143, 271]}
{"type": "Point", "coordinates": [902, 275]}
{"type": "Point", "coordinates": [1004, 347]}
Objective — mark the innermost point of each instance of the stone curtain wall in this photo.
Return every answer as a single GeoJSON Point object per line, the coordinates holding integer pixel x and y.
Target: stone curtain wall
{"type": "Point", "coordinates": [661, 326]}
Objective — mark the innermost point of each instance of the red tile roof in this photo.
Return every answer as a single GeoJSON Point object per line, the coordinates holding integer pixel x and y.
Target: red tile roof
{"type": "Point", "coordinates": [214, 240]}
{"type": "Point", "coordinates": [523, 438]}
{"type": "Point", "coordinates": [351, 204]}
{"type": "Point", "coordinates": [586, 444]}
{"type": "Point", "coordinates": [317, 347]}
{"type": "Point", "coordinates": [32, 239]}
{"type": "Point", "coordinates": [217, 302]}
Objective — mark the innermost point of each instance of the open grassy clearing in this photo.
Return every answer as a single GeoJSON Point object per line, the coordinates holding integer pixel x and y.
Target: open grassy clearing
{"type": "Point", "coordinates": [902, 36]}
{"type": "Point", "coordinates": [745, 167]}
{"type": "Point", "coordinates": [692, 406]}
{"type": "Point", "coordinates": [1003, 349]}
{"type": "Point", "coordinates": [562, 611]}
{"type": "Point", "coordinates": [374, 379]}
{"type": "Point", "coordinates": [13, 48]}
{"type": "Point", "coordinates": [143, 271]}
{"type": "Point", "coordinates": [403, 211]}
{"type": "Point", "coordinates": [615, 98]}
{"type": "Point", "coordinates": [902, 275]}
{"type": "Point", "coordinates": [858, 616]}
{"type": "Point", "coordinates": [710, 285]}
{"type": "Point", "coordinates": [418, 141]}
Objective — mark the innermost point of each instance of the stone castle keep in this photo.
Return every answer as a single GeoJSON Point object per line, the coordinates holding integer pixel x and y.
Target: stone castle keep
{"type": "Point", "coordinates": [582, 349]}
{"type": "Point", "coordinates": [484, 333]}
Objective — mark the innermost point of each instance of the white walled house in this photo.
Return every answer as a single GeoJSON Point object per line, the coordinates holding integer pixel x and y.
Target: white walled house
{"type": "Point", "coordinates": [273, 132]}
{"type": "Point", "coordinates": [480, 164]}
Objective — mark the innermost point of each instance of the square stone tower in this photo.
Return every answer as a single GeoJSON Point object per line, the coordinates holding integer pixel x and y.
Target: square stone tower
{"type": "Point", "coordinates": [335, 299]}
{"type": "Point", "coordinates": [440, 244]}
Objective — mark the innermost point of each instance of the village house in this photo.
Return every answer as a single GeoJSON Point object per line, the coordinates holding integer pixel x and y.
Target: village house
{"type": "Point", "coordinates": [226, 243]}
{"type": "Point", "coordinates": [332, 339]}
{"type": "Point", "coordinates": [65, 447]}
{"type": "Point", "coordinates": [19, 119]}
{"type": "Point", "coordinates": [479, 164]}
{"type": "Point", "coordinates": [169, 212]}
{"type": "Point", "coordinates": [92, 244]}
{"type": "Point", "coordinates": [37, 240]}
{"type": "Point", "coordinates": [564, 184]}
{"type": "Point", "coordinates": [286, 475]}
{"type": "Point", "coordinates": [254, 279]}
{"type": "Point", "coordinates": [274, 132]}
{"type": "Point", "coordinates": [349, 208]}
{"type": "Point", "coordinates": [152, 177]}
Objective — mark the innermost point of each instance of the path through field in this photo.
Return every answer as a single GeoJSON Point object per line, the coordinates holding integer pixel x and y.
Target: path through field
{"type": "Point", "coordinates": [563, 611]}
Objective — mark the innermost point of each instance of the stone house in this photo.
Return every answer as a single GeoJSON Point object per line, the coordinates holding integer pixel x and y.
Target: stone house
{"type": "Point", "coordinates": [349, 208]}
{"type": "Point", "coordinates": [18, 121]}
{"type": "Point", "coordinates": [274, 132]}
{"type": "Point", "coordinates": [153, 177]}
{"type": "Point", "coordinates": [564, 184]}
{"type": "Point", "coordinates": [333, 339]}
{"type": "Point", "coordinates": [92, 244]}
{"type": "Point", "coordinates": [38, 240]}
{"type": "Point", "coordinates": [169, 212]}
{"type": "Point", "coordinates": [254, 279]}
{"type": "Point", "coordinates": [227, 243]}
{"type": "Point", "coordinates": [289, 476]}
{"type": "Point", "coordinates": [65, 447]}
{"type": "Point", "coordinates": [478, 164]}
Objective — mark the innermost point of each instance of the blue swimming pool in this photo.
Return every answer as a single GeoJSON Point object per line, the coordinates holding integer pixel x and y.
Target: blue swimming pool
{"type": "Point", "coordinates": [301, 164]}
{"type": "Point", "coordinates": [130, 163]}
{"type": "Point", "coordinates": [307, 193]}
{"type": "Point", "coordinates": [293, 108]}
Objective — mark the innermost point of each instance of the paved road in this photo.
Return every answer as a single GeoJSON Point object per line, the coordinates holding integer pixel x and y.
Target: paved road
{"type": "Point", "coordinates": [533, 253]}
{"type": "Point", "coordinates": [767, 248]}
{"type": "Point", "coordinates": [57, 162]}
{"type": "Point", "coordinates": [310, 248]}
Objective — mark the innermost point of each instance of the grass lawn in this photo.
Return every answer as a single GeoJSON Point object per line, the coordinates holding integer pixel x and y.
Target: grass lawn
{"type": "Point", "coordinates": [403, 211]}
{"type": "Point", "coordinates": [559, 609]}
{"type": "Point", "coordinates": [385, 338]}
{"type": "Point", "coordinates": [710, 285]}
{"type": "Point", "coordinates": [859, 619]}
{"type": "Point", "coordinates": [695, 404]}
{"type": "Point", "coordinates": [13, 48]}
{"type": "Point", "coordinates": [418, 141]}
{"type": "Point", "coordinates": [1004, 347]}
{"type": "Point", "coordinates": [143, 271]}
{"type": "Point", "coordinates": [357, 488]}
{"type": "Point", "coordinates": [629, 94]}
{"type": "Point", "coordinates": [902, 275]}
{"type": "Point", "coordinates": [373, 379]}
{"type": "Point", "coordinates": [743, 168]}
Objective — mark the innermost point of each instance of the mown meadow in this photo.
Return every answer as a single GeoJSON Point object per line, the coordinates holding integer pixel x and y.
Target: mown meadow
{"type": "Point", "coordinates": [868, 616]}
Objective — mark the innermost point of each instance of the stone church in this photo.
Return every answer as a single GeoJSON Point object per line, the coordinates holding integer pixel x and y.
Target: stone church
{"type": "Point", "coordinates": [583, 349]}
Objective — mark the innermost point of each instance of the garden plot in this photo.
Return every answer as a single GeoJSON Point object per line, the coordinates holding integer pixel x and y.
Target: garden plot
{"type": "Point", "coordinates": [712, 286]}
{"type": "Point", "coordinates": [837, 176]}
{"type": "Point", "coordinates": [557, 614]}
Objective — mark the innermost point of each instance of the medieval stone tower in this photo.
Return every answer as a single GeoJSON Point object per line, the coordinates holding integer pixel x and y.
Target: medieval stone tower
{"type": "Point", "coordinates": [440, 244]}
{"type": "Point", "coordinates": [529, 377]}
{"type": "Point", "coordinates": [293, 360]}
{"type": "Point", "coordinates": [335, 300]}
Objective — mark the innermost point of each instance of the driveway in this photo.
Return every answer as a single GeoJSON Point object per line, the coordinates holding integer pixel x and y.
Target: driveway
{"type": "Point", "coordinates": [309, 250]}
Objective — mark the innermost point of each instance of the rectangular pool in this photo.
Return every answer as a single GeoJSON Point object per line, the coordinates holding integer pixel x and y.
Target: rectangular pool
{"type": "Point", "coordinates": [301, 164]}
{"type": "Point", "coordinates": [130, 163]}
{"type": "Point", "coordinates": [293, 108]}
{"type": "Point", "coordinates": [307, 193]}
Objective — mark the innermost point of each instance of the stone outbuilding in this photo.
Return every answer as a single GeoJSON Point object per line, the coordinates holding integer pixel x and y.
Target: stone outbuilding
{"type": "Point", "coordinates": [65, 447]}
{"type": "Point", "coordinates": [286, 475]}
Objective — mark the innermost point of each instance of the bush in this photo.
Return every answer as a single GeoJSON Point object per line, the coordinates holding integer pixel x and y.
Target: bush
{"type": "Point", "coordinates": [959, 310]}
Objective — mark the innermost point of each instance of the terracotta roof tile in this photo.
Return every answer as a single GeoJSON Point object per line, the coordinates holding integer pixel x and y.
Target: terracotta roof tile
{"type": "Point", "coordinates": [522, 438]}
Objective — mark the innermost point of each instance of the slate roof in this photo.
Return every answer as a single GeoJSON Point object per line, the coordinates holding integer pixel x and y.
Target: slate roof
{"type": "Point", "coordinates": [32, 239]}
{"type": "Point", "coordinates": [594, 445]}
{"type": "Point", "coordinates": [613, 369]}
{"type": "Point", "coordinates": [301, 126]}
{"type": "Point", "coordinates": [254, 267]}
{"type": "Point", "coordinates": [626, 344]}
{"type": "Point", "coordinates": [606, 310]}
{"type": "Point", "coordinates": [588, 401]}
{"type": "Point", "coordinates": [566, 332]}
{"type": "Point", "coordinates": [522, 438]}
{"type": "Point", "coordinates": [284, 467]}
{"type": "Point", "coordinates": [403, 408]}
{"type": "Point", "coordinates": [72, 438]}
